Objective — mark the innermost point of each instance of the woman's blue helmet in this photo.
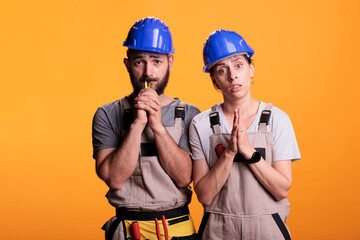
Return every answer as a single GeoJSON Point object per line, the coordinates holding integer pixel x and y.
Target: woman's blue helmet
{"type": "Point", "coordinates": [150, 34]}
{"type": "Point", "coordinates": [222, 44]}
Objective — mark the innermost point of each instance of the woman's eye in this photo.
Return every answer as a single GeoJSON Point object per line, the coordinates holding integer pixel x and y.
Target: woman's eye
{"type": "Point", "coordinates": [222, 70]}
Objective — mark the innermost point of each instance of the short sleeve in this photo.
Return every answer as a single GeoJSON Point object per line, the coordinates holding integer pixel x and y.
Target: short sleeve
{"type": "Point", "coordinates": [103, 134]}
{"type": "Point", "coordinates": [195, 142]}
{"type": "Point", "coordinates": [190, 113]}
{"type": "Point", "coordinates": [285, 144]}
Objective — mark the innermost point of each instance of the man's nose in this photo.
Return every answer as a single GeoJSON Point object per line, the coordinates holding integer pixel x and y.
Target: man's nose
{"type": "Point", "coordinates": [149, 70]}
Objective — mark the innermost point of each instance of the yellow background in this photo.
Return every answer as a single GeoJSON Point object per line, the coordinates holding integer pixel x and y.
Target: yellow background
{"type": "Point", "coordinates": [60, 60]}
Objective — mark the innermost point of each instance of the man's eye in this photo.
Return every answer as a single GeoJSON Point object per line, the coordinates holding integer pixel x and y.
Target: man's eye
{"type": "Point", "coordinates": [157, 61]}
{"type": "Point", "coordinates": [138, 62]}
{"type": "Point", "coordinates": [239, 65]}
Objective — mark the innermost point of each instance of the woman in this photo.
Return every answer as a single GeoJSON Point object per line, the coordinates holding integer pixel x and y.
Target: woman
{"type": "Point", "coordinates": [242, 150]}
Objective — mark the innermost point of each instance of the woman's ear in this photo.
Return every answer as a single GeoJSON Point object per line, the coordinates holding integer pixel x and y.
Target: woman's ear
{"type": "Point", "coordinates": [252, 70]}
{"type": "Point", "coordinates": [216, 86]}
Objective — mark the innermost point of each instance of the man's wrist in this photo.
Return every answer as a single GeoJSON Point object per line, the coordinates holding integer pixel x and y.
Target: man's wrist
{"type": "Point", "coordinates": [138, 125]}
{"type": "Point", "coordinates": [158, 129]}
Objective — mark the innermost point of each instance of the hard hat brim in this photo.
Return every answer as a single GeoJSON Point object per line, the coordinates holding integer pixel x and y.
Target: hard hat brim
{"type": "Point", "coordinates": [207, 68]}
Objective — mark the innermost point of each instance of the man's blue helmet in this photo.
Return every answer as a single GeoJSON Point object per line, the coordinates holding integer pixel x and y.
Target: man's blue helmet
{"type": "Point", "coordinates": [222, 44]}
{"type": "Point", "coordinates": [150, 34]}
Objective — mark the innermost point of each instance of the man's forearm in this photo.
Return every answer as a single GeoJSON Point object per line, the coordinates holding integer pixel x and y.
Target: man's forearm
{"type": "Point", "coordinates": [176, 161]}
{"type": "Point", "coordinates": [119, 165]}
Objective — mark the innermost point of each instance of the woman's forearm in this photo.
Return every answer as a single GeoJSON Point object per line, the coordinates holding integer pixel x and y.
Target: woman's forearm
{"type": "Point", "coordinates": [208, 183]}
{"type": "Point", "coordinates": [277, 179]}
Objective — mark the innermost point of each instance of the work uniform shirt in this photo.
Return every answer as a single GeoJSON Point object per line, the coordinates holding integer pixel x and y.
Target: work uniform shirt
{"type": "Point", "coordinates": [109, 122]}
{"type": "Point", "coordinates": [285, 144]}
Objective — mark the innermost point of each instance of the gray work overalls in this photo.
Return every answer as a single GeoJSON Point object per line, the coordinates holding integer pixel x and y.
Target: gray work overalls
{"type": "Point", "coordinates": [244, 209]}
{"type": "Point", "coordinates": [149, 189]}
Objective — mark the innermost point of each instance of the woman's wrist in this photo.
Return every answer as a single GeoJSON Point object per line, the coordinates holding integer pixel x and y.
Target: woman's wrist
{"type": "Point", "coordinates": [229, 153]}
{"type": "Point", "coordinates": [248, 152]}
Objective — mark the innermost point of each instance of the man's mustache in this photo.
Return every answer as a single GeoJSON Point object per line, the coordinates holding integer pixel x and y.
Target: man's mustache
{"type": "Point", "coordinates": [148, 79]}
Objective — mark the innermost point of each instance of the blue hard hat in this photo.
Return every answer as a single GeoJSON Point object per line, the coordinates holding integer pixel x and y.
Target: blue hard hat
{"type": "Point", "coordinates": [222, 44]}
{"type": "Point", "coordinates": [150, 34]}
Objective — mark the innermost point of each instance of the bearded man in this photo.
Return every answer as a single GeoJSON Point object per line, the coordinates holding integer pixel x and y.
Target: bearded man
{"type": "Point", "coordinates": [141, 144]}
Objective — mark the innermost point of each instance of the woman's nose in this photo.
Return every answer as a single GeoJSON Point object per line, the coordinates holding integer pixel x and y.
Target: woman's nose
{"type": "Point", "coordinates": [232, 74]}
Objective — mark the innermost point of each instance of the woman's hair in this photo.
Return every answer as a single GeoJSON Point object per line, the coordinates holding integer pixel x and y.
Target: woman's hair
{"type": "Point", "coordinates": [249, 60]}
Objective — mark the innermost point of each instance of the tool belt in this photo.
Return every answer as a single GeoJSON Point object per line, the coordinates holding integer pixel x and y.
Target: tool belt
{"type": "Point", "coordinates": [123, 214]}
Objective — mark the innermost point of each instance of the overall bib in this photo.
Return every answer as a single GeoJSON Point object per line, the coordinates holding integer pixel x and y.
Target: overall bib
{"type": "Point", "coordinates": [150, 193]}
{"type": "Point", "coordinates": [244, 209]}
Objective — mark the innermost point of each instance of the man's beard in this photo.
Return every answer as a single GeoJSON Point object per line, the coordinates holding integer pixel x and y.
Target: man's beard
{"type": "Point", "coordinates": [138, 84]}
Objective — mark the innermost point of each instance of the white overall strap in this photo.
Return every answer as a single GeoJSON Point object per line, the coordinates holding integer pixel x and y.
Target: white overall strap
{"type": "Point", "coordinates": [265, 118]}
{"type": "Point", "coordinates": [215, 120]}
{"type": "Point", "coordinates": [179, 115]}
